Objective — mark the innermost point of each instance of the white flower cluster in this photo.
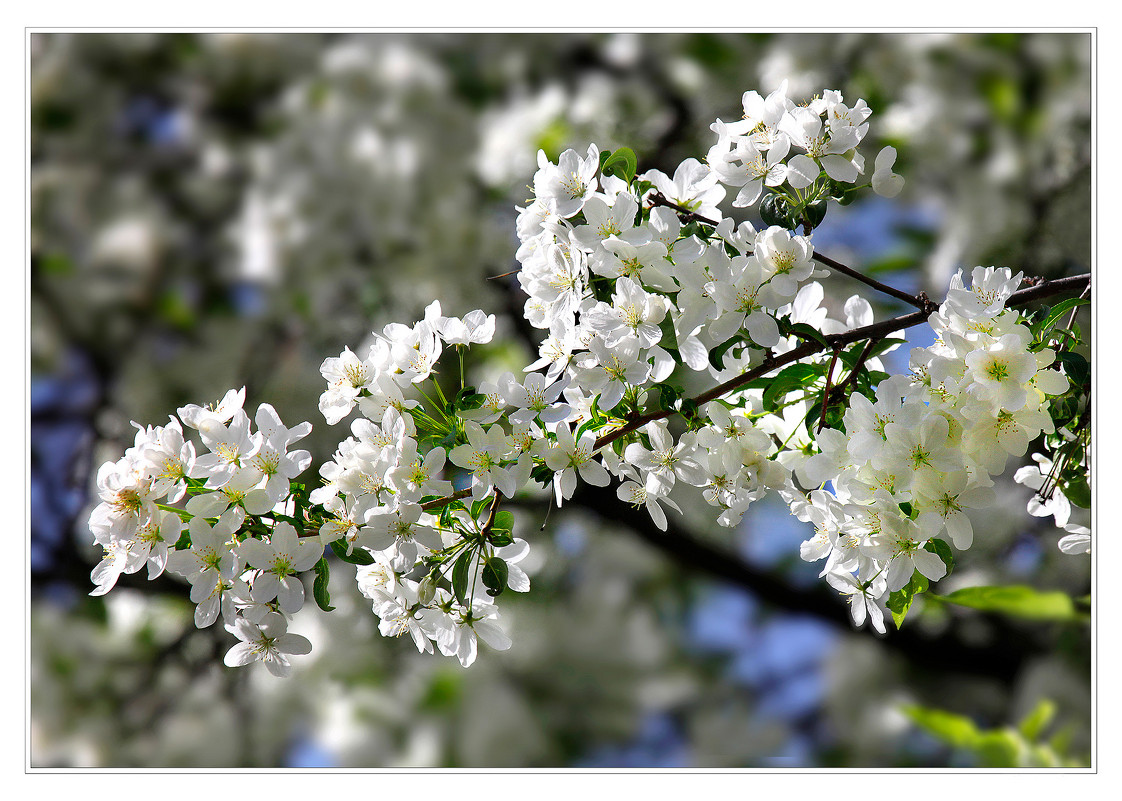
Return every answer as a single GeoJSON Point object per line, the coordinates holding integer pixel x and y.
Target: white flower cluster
{"type": "Point", "coordinates": [378, 478]}
{"type": "Point", "coordinates": [636, 278]}
{"type": "Point", "coordinates": [251, 581]}
{"type": "Point", "coordinates": [752, 153]}
{"type": "Point", "coordinates": [910, 464]}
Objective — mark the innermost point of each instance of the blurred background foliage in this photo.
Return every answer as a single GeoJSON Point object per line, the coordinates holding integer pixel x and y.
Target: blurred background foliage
{"type": "Point", "coordinates": [212, 210]}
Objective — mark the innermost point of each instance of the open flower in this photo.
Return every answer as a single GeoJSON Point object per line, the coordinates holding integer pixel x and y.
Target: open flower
{"type": "Point", "coordinates": [280, 560]}
{"type": "Point", "coordinates": [268, 642]}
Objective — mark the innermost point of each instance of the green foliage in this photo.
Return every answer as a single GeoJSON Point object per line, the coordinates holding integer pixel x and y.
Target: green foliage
{"type": "Point", "coordinates": [319, 585]}
{"type": "Point", "coordinates": [460, 571]}
{"type": "Point", "coordinates": [669, 341]}
{"type": "Point", "coordinates": [667, 395]}
{"type": "Point", "coordinates": [1057, 311]}
{"type": "Point", "coordinates": [184, 541]}
{"type": "Point", "coordinates": [359, 556]}
{"type": "Point", "coordinates": [504, 521]}
{"type": "Point", "coordinates": [775, 210]}
{"type": "Point", "coordinates": [494, 575]}
{"type": "Point", "coordinates": [500, 538]}
{"type": "Point", "coordinates": [1017, 601]}
{"type": "Point", "coordinates": [900, 601]}
{"type": "Point", "coordinates": [802, 331]}
{"type": "Point", "coordinates": [1079, 493]}
{"type": "Point", "coordinates": [1005, 747]}
{"type": "Point", "coordinates": [791, 378]}
{"type": "Point", "coordinates": [717, 354]}
{"type": "Point", "coordinates": [542, 473]}
{"type": "Point", "coordinates": [466, 398]}
{"type": "Point", "coordinates": [814, 213]}
{"type": "Point", "coordinates": [622, 164]}
{"type": "Point", "coordinates": [941, 549]}
{"type": "Point", "coordinates": [1076, 367]}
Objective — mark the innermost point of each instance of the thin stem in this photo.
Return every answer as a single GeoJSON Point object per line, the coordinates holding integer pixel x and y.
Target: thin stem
{"type": "Point", "coordinates": [658, 199]}
{"type": "Point", "coordinates": [826, 393]}
{"type": "Point", "coordinates": [1067, 335]}
{"type": "Point", "coordinates": [911, 300]}
{"type": "Point", "coordinates": [856, 371]}
{"type": "Point", "coordinates": [490, 524]}
{"type": "Point", "coordinates": [440, 503]}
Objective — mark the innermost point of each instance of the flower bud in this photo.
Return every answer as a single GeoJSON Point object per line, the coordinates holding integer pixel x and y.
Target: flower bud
{"type": "Point", "coordinates": [427, 590]}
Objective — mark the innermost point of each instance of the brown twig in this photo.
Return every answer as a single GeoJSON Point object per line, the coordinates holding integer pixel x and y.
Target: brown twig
{"type": "Point", "coordinates": [659, 199]}
{"type": "Point", "coordinates": [850, 379]}
{"type": "Point", "coordinates": [490, 524]}
{"type": "Point", "coordinates": [440, 503]}
{"type": "Point", "coordinates": [826, 393]}
{"type": "Point", "coordinates": [899, 294]}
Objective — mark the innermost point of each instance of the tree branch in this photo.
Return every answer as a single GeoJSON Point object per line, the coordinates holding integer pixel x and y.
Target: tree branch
{"type": "Point", "coordinates": [1002, 658]}
{"type": "Point", "coordinates": [920, 303]}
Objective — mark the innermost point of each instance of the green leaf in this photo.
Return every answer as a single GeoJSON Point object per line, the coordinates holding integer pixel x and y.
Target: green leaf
{"type": "Point", "coordinates": [802, 331]}
{"type": "Point", "coordinates": [996, 748]}
{"type": "Point", "coordinates": [941, 549]}
{"type": "Point", "coordinates": [319, 586]}
{"type": "Point", "coordinates": [500, 538]}
{"type": "Point", "coordinates": [952, 729]}
{"type": "Point", "coordinates": [667, 397]}
{"type": "Point", "coordinates": [1001, 749]}
{"type": "Point", "coordinates": [791, 378]}
{"type": "Point", "coordinates": [1038, 719]}
{"type": "Point", "coordinates": [774, 210]}
{"type": "Point", "coordinates": [494, 575]}
{"type": "Point", "coordinates": [542, 474]}
{"type": "Point", "coordinates": [1058, 310]}
{"type": "Point", "coordinates": [460, 572]}
{"type": "Point", "coordinates": [669, 339]}
{"type": "Point", "coordinates": [184, 541]}
{"type": "Point", "coordinates": [1016, 601]}
{"type": "Point", "coordinates": [468, 398]}
{"type": "Point", "coordinates": [477, 507]}
{"type": "Point", "coordinates": [688, 409]}
{"type": "Point", "coordinates": [1076, 367]}
{"type": "Point", "coordinates": [717, 355]}
{"type": "Point", "coordinates": [815, 213]}
{"type": "Point", "coordinates": [621, 163]}
{"type": "Point", "coordinates": [890, 264]}
{"type": "Point", "coordinates": [359, 556]}
{"type": "Point", "coordinates": [504, 521]}
{"type": "Point", "coordinates": [885, 344]}
{"type": "Point", "coordinates": [1079, 493]}
{"type": "Point", "coordinates": [54, 264]}
{"type": "Point", "coordinates": [900, 601]}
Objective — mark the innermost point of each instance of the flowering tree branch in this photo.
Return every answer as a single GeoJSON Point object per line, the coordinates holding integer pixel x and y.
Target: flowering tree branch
{"type": "Point", "coordinates": [629, 297]}
{"type": "Point", "coordinates": [875, 331]}
{"type": "Point", "coordinates": [658, 199]}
